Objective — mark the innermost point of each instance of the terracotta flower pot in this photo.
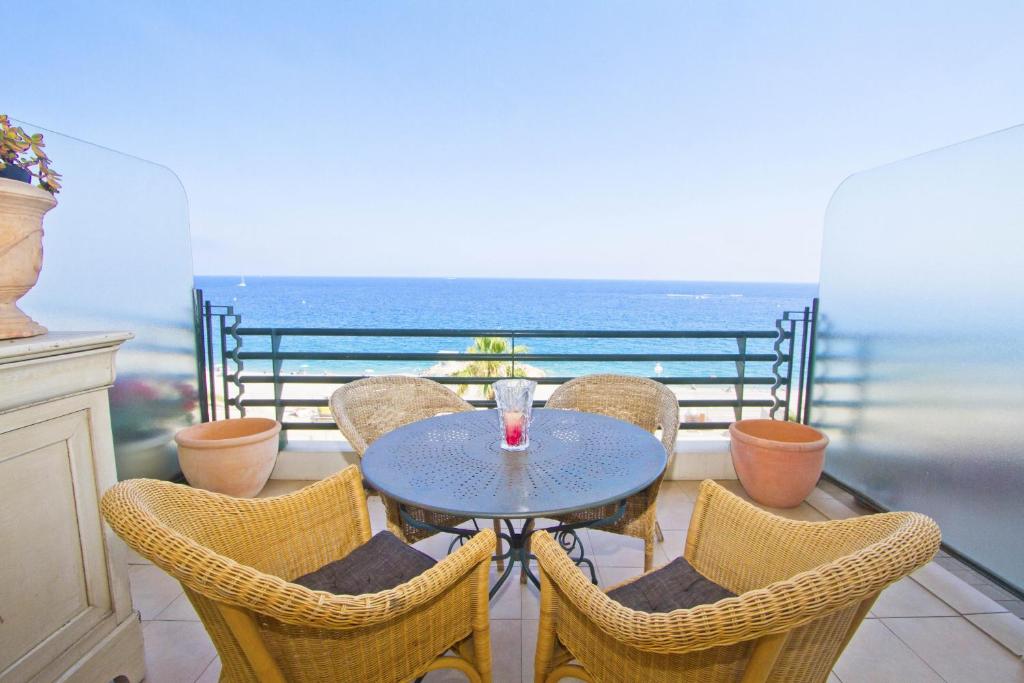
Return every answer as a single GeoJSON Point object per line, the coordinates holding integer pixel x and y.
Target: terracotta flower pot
{"type": "Point", "coordinates": [234, 457]}
{"type": "Point", "coordinates": [22, 207]}
{"type": "Point", "coordinates": [778, 462]}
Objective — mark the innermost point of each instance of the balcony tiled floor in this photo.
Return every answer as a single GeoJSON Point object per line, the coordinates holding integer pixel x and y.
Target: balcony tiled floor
{"type": "Point", "coordinates": [933, 626]}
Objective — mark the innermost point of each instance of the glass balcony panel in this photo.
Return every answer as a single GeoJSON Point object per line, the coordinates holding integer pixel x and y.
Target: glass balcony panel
{"type": "Point", "coordinates": [117, 257]}
{"type": "Point", "coordinates": [920, 365]}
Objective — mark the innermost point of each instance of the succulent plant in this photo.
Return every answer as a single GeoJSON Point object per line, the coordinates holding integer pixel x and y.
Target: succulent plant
{"type": "Point", "coordinates": [25, 151]}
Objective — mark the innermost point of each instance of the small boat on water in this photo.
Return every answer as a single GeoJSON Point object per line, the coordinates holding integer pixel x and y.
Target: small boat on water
{"type": "Point", "coordinates": [241, 283]}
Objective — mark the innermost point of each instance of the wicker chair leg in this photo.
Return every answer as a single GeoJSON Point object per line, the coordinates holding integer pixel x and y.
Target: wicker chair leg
{"type": "Point", "coordinates": [481, 624]}
{"type": "Point", "coordinates": [458, 663]}
{"type": "Point", "coordinates": [649, 553]}
{"type": "Point", "coordinates": [766, 651]}
{"type": "Point", "coordinates": [657, 532]}
{"type": "Point", "coordinates": [243, 628]}
{"type": "Point", "coordinates": [497, 545]}
{"type": "Point", "coordinates": [544, 651]}
{"type": "Point", "coordinates": [568, 671]}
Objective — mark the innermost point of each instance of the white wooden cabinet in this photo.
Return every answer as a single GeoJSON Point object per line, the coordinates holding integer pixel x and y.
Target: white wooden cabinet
{"type": "Point", "coordinates": [65, 607]}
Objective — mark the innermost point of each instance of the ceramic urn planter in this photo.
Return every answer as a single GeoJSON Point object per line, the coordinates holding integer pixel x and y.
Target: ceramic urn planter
{"type": "Point", "coordinates": [778, 462]}
{"type": "Point", "coordinates": [22, 207]}
{"type": "Point", "coordinates": [233, 457]}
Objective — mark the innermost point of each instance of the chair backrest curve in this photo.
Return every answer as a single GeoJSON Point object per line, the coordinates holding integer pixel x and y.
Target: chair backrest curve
{"type": "Point", "coordinates": [641, 401]}
{"type": "Point", "coordinates": [366, 409]}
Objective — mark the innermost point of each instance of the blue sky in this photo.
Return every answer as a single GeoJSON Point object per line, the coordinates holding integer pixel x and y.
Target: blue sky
{"type": "Point", "coordinates": [566, 139]}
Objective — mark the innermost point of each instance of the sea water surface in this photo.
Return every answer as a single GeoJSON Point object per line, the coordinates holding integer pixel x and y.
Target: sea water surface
{"type": "Point", "coordinates": [464, 303]}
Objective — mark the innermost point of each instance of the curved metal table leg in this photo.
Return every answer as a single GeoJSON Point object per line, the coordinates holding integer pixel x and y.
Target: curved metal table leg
{"type": "Point", "coordinates": [519, 543]}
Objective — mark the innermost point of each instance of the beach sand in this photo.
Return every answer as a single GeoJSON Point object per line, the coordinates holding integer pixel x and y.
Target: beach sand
{"type": "Point", "coordinates": [687, 392]}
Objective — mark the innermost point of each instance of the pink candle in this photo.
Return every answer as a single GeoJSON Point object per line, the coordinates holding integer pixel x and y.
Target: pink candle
{"type": "Point", "coordinates": [513, 427]}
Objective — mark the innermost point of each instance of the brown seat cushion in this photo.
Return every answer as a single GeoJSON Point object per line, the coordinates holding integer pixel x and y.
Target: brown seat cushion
{"type": "Point", "coordinates": [677, 585]}
{"type": "Point", "coordinates": [382, 562]}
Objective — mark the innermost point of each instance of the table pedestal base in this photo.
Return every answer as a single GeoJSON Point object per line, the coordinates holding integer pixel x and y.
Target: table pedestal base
{"type": "Point", "coordinates": [519, 543]}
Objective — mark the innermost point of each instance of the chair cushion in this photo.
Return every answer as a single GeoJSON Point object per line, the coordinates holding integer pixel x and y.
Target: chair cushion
{"type": "Point", "coordinates": [677, 585]}
{"type": "Point", "coordinates": [382, 562]}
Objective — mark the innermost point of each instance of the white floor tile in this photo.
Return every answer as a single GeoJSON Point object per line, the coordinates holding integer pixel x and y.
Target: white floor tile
{"type": "Point", "coordinates": [529, 640]}
{"type": "Point", "coordinates": [135, 558]}
{"type": "Point", "coordinates": [876, 655]}
{"type": "Point", "coordinates": [671, 548]}
{"type": "Point", "coordinates": [616, 550]}
{"type": "Point", "coordinates": [530, 596]}
{"type": "Point", "coordinates": [378, 517]}
{"type": "Point", "coordinates": [152, 589]}
{"type": "Point", "coordinates": [212, 673]}
{"type": "Point", "coordinates": [612, 576]}
{"type": "Point", "coordinates": [955, 592]}
{"type": "Point", "coordinates": [674, 514]}
{"type": "Point", "coordinates": [507, 650]}
{"type": "Point", "coordinates": [507, 602]}
{"type": "Point", "coordinates": [907, 598]}
{"type": "Point", "coordinates": [957, 650]}
{"type": "Point", "coordinates": [1007, 628]}
{"type": "Point", "coordinates": [176, 651]}
{"type": "Point", "coordinates": [179, 610]}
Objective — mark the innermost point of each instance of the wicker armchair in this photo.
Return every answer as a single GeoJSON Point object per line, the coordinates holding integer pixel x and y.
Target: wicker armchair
{"type": "Point", "coordinates": [367, 409]}
{"type": "Point", "coordinates": [802, 590]}
{"type": "Point", "coordinates": [645, 403]}
{"type": "Point", "coordinates": [235, 558]}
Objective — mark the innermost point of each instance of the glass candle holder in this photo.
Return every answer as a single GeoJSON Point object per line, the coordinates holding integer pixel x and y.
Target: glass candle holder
{"type": "Point", "coordinates": [515, 406]}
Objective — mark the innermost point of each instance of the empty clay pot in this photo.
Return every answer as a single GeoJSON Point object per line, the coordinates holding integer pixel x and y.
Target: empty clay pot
{"type": "Point", "coordinates": [234, 456]}
{"type": "Point", "coordinates": [778, 462]}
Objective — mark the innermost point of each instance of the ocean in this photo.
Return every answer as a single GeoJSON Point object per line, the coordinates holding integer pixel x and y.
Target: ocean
{"type": "Point", "coordinates": [506, 304]}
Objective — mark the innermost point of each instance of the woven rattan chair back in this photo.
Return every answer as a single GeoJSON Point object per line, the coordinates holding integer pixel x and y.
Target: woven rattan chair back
{"type": "Point", "coordinates": [235, 559]}
{"type": "Point", "coordinates": [802, 590]}
{"type": "Point", "coordinates": [649, 405]}
{"type": "Point", "coordinates": [368, 408]}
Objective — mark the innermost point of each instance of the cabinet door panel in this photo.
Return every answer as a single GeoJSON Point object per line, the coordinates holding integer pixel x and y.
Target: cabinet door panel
{"type": "Point", "coordinates": [55, 586]}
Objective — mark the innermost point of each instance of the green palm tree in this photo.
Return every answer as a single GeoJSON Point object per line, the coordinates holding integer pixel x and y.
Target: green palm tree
{"type": "Point", "coordinates": [489, 368]}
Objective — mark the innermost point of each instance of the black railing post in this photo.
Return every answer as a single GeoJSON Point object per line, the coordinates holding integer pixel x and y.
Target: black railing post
{"type": "Point", "coordinates": [512, 349]}
{"type": "Point", "coordinates": [803, 367]}
{"type": "Point", "coordinates": [276, 362]}
{"type": "Point", "coordinates": [741, 372]}
{"type": "Point", "coordinates": [201, 358]}
{"type": "Point", "coordinates": [789, 366]}
{"type": "Point", "coordinates": [211, 386]}
{"type": "Point", "coordinates": [224, 364]}
{"type": "Point", "coordinates": [810, 361]}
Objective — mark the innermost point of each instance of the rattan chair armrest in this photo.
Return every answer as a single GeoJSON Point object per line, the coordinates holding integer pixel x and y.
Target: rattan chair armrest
{"type": "Point", "coordinates": [294, 604]}
{"type": "Point", "coordinates": [740, 546]}
{"type": "Point", "coordinates": [304, 607]}
{"type": "Point", "coordinates": [286, 535]}
{"type": "Point", "coordinates": [910, 541]}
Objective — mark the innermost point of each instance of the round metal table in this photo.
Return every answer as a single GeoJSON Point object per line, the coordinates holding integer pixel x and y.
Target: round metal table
{"type": "Point", "coordinates": [576, 461]}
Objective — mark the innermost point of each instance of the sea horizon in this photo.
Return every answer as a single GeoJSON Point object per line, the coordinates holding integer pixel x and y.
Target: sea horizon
{"type": "Point", "coordinates": [506, 304]}
{"type": "Point", "coordinates": [237, 276]}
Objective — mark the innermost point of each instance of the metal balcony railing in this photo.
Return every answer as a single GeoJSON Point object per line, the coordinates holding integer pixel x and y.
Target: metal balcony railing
{"type": "Point", "coordinates": [779, 359]}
